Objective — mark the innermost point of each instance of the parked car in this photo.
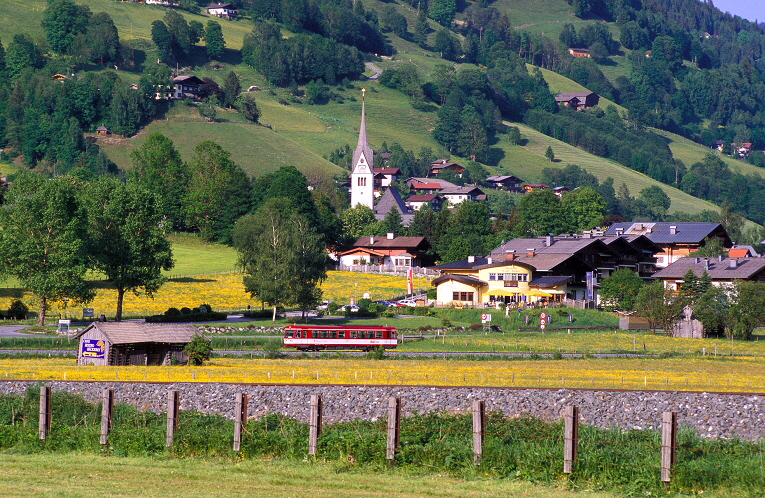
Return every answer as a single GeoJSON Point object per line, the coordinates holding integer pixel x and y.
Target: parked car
{"type": "Point", "coordinates": [407, 302]}
{"type": "Point", "coordinates": [352, 307]}
{"type": "Point", "coordinates": [323, 306]}
{"type": "Point", "coordinates": [386, 303]}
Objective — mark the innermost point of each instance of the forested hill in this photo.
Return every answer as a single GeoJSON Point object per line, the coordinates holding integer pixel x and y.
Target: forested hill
{"type": "Point", "coordinates": [453, 74]}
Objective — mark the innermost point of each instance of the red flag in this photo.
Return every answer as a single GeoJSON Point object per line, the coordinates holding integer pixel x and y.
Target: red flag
{"type": "Point", "coordinates": [409, 284]}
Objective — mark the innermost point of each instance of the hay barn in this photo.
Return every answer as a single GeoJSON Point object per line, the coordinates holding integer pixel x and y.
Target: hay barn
{"type": "Point", "coordinates": [130, 343]}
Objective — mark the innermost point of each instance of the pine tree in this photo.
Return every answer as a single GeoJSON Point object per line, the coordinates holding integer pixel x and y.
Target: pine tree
{"type": "Point", "coordinates": [214, 42]}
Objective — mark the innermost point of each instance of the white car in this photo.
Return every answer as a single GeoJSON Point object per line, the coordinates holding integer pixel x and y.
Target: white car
{"type": "Point", "coordinates": [407, 302]}
{"type": "Point", "coordinates": [352, 307]}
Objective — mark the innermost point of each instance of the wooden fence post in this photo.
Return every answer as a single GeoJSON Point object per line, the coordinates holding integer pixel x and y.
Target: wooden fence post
{"type": "Point", "coordinates": [315, 423]}
{"type": "Point", "coordinates": [570, 437]}
{"type": "Point", "coordinates": [44, 427]}
{"type": "Point", "coordinates": [394, 425]}
{"type": "Point", "coordinates": [107, 407]}
{"type": "Point", "coordinates": [479, 427]}
{"type": "Point", "coordinates": [240, 418]}
{"type": "Point", "coordinates": [173, 402]}
{"type": "Point", "coordinates": [668, 444]}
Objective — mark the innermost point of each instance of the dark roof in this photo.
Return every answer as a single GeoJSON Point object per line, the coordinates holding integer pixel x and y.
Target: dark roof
{"type": "Point", "coordinates": [101, 128]}
{"type": "Point", "coordinates": [388, 171]}
{"type": "Point", "coordinates": [465, 279]}
{"type": "Point", "coordinates": [135, 333]}
{"type": "Point", "coordinates": [461, 191]}
{"type": "Point", "coordinates": [392, 200]}
{"type": "Point", "coordinates": [686, 232]}
{"type": "Point", "coordinates": [422, 198]}
{"type": "Point", "coordinates": [538, 262]}
{"type": "Point", "coordinates": [744, 268]}
{"type": "Point", "coordinates": [503, 178]}
{"type": "Point", "coordinates": [188, 79]}
{"type": "Point", "coordinates": [566, 96]}
{"type": "Point", "coordinates": [394, 243]}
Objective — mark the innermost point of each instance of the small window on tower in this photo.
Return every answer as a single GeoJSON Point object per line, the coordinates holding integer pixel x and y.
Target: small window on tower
{"type": "Point", "coordinates": [362, 182]}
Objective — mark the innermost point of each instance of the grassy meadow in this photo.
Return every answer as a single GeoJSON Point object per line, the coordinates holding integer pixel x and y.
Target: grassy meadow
{"type": "Point", "coordinates": [82, 474]}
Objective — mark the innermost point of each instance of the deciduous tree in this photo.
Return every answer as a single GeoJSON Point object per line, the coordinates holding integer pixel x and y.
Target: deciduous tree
{"type": "Point", "coordinates": [214, 42]}
{"type": "Point", "coordinates": [62, 21]}
{"type": "Point", "coordinates": [42, 240]}
{"type": "Point", "coordinates": [619, 290]}
{"type": "Point", "coordinates": [127, 236]}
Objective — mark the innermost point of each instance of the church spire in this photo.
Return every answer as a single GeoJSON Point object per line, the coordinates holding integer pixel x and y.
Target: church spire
{"type": "Point", "coordinates": [363, 145]}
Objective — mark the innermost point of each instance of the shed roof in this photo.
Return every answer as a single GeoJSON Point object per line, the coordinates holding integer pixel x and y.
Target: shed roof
{"type": "Point", "coordinates": [135, 333]}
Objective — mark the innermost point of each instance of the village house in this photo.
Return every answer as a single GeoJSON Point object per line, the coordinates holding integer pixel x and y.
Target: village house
{"type": "Point", "coordinates": [389, 251]}
{"type": "Point", "coordinates": [428, 185]}
{"type": "Point", "coordinates": [385, 176]}
{"type": "Point", "coordinates": [102, 130]}
{"type": "Point", "coordinates": [417, 202]}
{"type": "Point", "coordinates": [457, 195]}
{"type": "Point", "coordinates": [531, 187]}
{"type": "Point", "coordinates": [222, 10]}
{"type": "Point", "coordinates": [578, 100]}
{"type": "Point", "coordinates": [723, 271]}
{"type": "Point", "coordinates": [741, 149]}
{"type": "Point", "coordinates": [186, 87]}
{"type": "Point", "coordinates": [507, 182]}
{"type": "Point", "coordinates": [542, 269]}
{"type": "Point", "coordinates": [579, 53]}
{"type": "Point", "coordinates": [677, 239]}
{"type": "Point", "coordinates": [440, 165]}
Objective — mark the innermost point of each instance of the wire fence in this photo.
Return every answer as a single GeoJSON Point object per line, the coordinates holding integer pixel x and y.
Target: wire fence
{"type": "Point", "coordinates": [632, 460]}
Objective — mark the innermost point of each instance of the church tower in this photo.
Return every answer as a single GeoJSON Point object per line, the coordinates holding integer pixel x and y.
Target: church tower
{"type": "Point", "coordinates": [363, 173]}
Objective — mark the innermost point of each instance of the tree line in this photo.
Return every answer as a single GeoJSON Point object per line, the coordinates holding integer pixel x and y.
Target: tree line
{"type": "Point", "coordinates": [732, 311]}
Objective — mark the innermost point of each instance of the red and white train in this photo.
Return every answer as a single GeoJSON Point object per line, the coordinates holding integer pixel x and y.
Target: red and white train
{"type": "Point", "coordinates": [316, 337]}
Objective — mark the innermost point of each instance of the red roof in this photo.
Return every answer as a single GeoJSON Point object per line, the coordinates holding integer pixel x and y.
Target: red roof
{"type": "Point", "coordinates": [422, 198]}
{"type": "Point", "coordinates": [425, 186]}
{"type": "Point", "coordinates": [738, 253]}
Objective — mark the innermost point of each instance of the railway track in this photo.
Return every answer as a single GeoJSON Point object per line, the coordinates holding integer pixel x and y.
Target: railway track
{"type": "Point", "coordinates": [407, 354]}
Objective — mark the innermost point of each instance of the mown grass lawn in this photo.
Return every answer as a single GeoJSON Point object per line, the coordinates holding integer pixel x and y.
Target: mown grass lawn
{"type": "Point", "coordinates": [77, 474]}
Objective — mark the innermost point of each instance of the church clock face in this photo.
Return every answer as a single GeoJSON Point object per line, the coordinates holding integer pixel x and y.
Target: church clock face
{"type": "Point", "coordinates": [362, 169]}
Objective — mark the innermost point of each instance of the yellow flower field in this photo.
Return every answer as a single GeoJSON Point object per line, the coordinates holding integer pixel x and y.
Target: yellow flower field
{"type": "Point", "coordinates": [739, 375]}
{"type": "Point", "coordinates": [221, 291]}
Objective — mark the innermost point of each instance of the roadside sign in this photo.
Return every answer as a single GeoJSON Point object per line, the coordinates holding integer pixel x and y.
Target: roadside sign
{"type": "Point", "coordinates": [87, 312]}
{"type": "Point", "coordinates": [485, 317]}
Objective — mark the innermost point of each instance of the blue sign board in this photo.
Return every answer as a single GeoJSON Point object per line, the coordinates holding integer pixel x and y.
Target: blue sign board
{"type": "Point", "coordinates": [590, 279]}
{"type": "Point", "coordinates": [92, 348]}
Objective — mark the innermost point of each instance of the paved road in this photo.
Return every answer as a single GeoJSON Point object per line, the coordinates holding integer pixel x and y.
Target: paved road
{"type": "Point", "coordinates": [12, 331]}
{"type": "Point", "coordinates": [374, 69]}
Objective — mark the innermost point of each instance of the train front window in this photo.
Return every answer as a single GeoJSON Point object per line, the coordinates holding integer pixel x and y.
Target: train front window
{"type": "Point", "coordinates": [288, 334]}
{"type": "Point", "coordinates": [393, 334]}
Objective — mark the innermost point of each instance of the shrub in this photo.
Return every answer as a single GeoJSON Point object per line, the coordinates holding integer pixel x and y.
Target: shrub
{"type": "Point", "coordinates": [198, 350]}
{"type": "Point", "coordinates": [272, 348]}
{"type": "Point", "coordinates": [172, 312]}
{"type": "Point", "coordinates": [377, 353]}
{"type": "Point", "coordinates": [185, 311]}
{"type": "Point", "coordinates": [205, 308]}
{"type": "Point", "coordinates": [18, 310]}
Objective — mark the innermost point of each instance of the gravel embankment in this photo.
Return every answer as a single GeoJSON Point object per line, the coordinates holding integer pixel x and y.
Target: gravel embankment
{"type": "Point", "coordinates": [712, 415]}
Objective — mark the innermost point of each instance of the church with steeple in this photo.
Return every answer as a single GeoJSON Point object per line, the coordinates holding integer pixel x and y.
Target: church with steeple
{"type": "Point", "coordinates": [363, 172]}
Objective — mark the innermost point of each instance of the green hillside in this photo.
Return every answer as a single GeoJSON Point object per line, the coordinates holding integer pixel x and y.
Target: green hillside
{"type": "Point", "coordinates": [133, 20]}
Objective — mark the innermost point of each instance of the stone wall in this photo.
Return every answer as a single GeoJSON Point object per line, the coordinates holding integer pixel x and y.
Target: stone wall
{"type": "Point", "coordinates": [713, 415]}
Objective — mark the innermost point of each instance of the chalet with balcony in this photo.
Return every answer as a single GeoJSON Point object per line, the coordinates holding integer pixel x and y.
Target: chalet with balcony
{"type": "Point", "coordinates": [677, 239]}
{"type": "Point", "coordinates": [506, 182]}
{"type": "Point", "coordinates": [436, 167]}
{"type": "Point", "coordinates": [388, 251]}
{"type": "Point", "coordinates": [578, 100]}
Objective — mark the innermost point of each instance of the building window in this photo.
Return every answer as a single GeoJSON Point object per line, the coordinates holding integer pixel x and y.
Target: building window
{"type": "Point", "coordinates": [462, 296]}
{"type": "Point", "coordinates": [402, 262]}
{"type": "Point", "coordinates": [362, 182]}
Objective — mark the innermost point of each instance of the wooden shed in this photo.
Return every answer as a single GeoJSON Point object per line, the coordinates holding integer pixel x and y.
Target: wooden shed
{"type": "Point", "coordinates": [131, 343]}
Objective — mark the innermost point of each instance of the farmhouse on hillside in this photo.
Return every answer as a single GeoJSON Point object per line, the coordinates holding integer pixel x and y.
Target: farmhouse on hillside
{"type": "Point", "coordinates": [578, 100]}
{"type": "Point", "coordinates": [222, 10]}
{"type": "Point", "coordinates": [129, 343]}
{"type": "Point", "coordinates": [186, 87]}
